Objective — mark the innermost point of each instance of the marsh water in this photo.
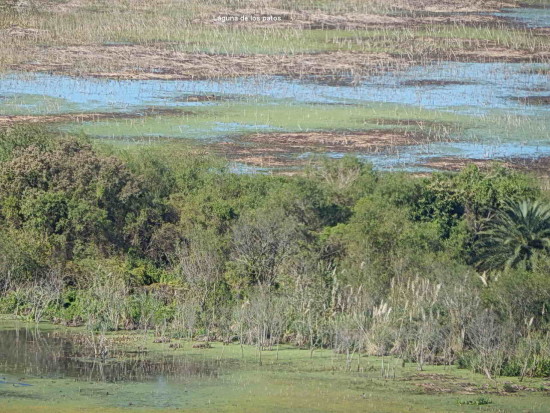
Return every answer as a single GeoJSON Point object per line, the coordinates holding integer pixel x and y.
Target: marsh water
{"type": "Point", "coordinates": [486, 110]}
{"type": "Point", "coordinates": [53, 366]}
{"type": "Point", "coordinates": [502, 107]}
{"type": "Point", "coordinates": [51, 369]}
{"type": "Point", "coordinates": [463, 88]}
{"type": "Point", "coordinates": [531, 17]}
{"type": "Point", "coordinates": [31, 352]}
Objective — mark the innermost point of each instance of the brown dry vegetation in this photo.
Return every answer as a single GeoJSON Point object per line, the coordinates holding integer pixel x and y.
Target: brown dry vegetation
{"type": "Point", "coordinates": [372, 140]}
{"type": "Point", "coordinates": [538, 166]}
{"type": "Point", "coordinates": [282, 149]}
{"type": "Point", "coordinates": [153, 62]}
{"type": "Point", "coordinates": [456, 163]}
{"type": "Point", "coordinates": [150, 62]}
{"type": "Point", "coordinates": [434, 383]}
{"type": "Point", "coordinates": [170, 39]}
{"type": "Point", "coordinates": [8, 120]}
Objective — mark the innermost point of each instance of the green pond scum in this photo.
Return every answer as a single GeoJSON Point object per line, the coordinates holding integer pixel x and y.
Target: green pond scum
{"type": "Point", "coordinates": [228, 377]}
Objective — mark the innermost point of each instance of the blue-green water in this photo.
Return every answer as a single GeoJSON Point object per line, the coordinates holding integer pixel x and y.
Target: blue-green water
{"type": "Point", "coordinates": [411, 158]}
{"type": "Point", "coordinates": [490, 98]}
{"type": "Point", "coordinates": [466, 88]}
{"type": "Point", "coordinates": [531, 17]}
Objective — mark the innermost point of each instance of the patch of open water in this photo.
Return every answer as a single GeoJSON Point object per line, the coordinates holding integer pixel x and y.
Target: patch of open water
{"type": "Point", "coordinates": [30, 352]}
{"type": "Point", "coordinates": [531, 17]}
{"type": "Point", "coordinates": [54, 367]}
{"type": "Point", "coordinates": [410, 158]}
{"type": "Point", "coordinates": [466, 88]}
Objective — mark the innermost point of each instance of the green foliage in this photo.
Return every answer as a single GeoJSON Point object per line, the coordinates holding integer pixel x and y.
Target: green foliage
{"type": "Point", "coordinates": [465, 360]}
{"type": "Point", "coordinates": [520, 365]}
{"type": "Point", "coordinates": [471, 194]}
{"type": "Point", "coordinates": [18, 137]}
{"type": "Point", "coordinates": [479, 401]}
{"type": "Point", "coordinates": [521, 294]}
{"type": "Point", "coordinates": [74, 307]}
{"type": "Point", "coordinates": [514, 236]}
{"type": "Point", "coordinates": [10, 303]}
{"type": "Point", "coordinates": [73, 197]}
{"type": "Point", "coordinates": [342, 256]}
{"type": "Point", "coordinates": [542, 368]}
{"type": "Point", "coordinates": [22, 255]}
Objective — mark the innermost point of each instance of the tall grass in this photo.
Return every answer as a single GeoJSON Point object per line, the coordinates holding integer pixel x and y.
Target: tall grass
{"type": "Point", "coordinates": [186, 27]}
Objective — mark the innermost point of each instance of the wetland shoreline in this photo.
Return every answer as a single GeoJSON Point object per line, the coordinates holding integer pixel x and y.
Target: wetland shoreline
{"type": "Point", "coordinates": [54, 367]}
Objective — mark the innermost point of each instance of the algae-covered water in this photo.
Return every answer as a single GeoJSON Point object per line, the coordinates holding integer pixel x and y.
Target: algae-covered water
{"type": "Point", "coordinates": [56, 367]}
{"type": "Point", "coordinates": [52, 369]}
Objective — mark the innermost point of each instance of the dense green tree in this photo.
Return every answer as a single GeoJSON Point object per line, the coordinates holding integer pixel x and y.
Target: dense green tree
{"type": "Point", "coordinates": [472, 194]}
{"type": "Point", "coordinates": [17, 137]}
{"type": "Point", "coordinates": [73, 196]}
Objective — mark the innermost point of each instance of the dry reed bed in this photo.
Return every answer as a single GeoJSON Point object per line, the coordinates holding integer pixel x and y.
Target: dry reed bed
{"type": "Point", "coordinates": [7, 120]}
{"type": "Point", "coordinates": [282, 149]}
{"type": "Point", "coordinates": [538, 166]}
{"type": "Point", "coordinates": [145, 62]}
{"type": "Point", "coordinates": [151, 62]}
{"type": "Point", "coordinates": [170, 40]}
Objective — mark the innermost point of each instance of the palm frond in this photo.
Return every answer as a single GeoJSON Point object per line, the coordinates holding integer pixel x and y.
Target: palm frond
{"type": "Point", "coordinates": [514, 235]}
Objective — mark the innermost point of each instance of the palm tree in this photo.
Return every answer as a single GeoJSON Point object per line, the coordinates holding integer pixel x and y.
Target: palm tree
{"type": "Point", "coordinates": [517, 233]}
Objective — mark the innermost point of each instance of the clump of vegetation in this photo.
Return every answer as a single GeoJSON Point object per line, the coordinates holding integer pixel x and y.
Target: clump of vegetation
{"type": "Point", "coordinates": [516, 235]}
{"type": "Point", "coordinates": [446, 269]}
{"type": "Point", "coordinates": [480, 401]}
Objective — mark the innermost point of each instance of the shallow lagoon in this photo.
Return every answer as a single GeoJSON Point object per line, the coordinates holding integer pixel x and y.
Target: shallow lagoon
{"type": "Point", "coordinates": [531, 17]}
{"type": "Point", "coordinates": [487, 105]}
{"type": "Point", "coordinates": [466, 88]}
{"type": "Point", "coordinates": [413, 158]}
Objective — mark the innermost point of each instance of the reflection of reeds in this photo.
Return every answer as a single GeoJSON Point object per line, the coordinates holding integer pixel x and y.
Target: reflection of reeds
{"type": "Point", "coordinates": [56, 354]}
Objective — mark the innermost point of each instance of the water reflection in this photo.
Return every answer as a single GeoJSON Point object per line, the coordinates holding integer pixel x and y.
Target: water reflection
{"type": "Point", "coordinates": [35, 353]}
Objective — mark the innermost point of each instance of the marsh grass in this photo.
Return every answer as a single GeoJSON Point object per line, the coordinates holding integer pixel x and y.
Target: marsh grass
{"type": "Point", "coordinates": [170, 25]}
{"type": "Point", "coordinates": [178, 33]}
